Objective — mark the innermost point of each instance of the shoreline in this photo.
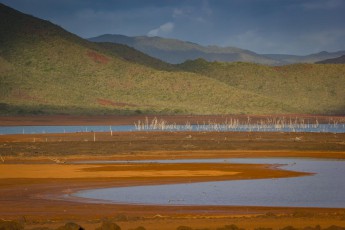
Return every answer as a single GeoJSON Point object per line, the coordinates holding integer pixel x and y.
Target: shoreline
{"type": "Point", "coordinates": [43, 202]}
{"type": "Point", "coordinates": [44, 120]}
{"type": "Point", "coordinates": [36, 199]}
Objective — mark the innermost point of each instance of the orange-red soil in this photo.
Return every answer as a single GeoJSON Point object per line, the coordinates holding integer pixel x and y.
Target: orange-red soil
{"type": "Point", "coordinates": [32, 183]}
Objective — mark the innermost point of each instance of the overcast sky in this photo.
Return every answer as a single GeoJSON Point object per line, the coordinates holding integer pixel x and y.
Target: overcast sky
{"type": "Point", "coordinates": [263, 26]}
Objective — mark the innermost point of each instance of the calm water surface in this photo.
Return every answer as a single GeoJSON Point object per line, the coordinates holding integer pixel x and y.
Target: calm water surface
{"type": "Point", "coordinates": [324, 189]}
{"type": "Point", "coordinates": [338, 128]}
{"type": "Point", "coordinates": [63, 129]}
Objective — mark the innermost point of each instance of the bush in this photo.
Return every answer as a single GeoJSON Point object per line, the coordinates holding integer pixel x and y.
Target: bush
{"type": "Point", "coordinates": [10, 225]}
{"type": "Point", "coordinates": [333, 227]}
{"type": "Point", "coordinates": [317, 227]}
{"type": "Point", "coordinates": [70, 226]}
{"type": "Point", "coordinates": [109, 226]}
{"type": "Point", "coordinates": [230, 227]}
{"type": "Point", "coordinates": [184, 228]}
{"type": "Point", "coordinates": [289, 228]}
{"type": "Point", "coordinates": [140, 228]}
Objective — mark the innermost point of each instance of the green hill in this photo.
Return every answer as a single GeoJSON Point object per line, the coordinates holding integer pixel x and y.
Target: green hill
{"type": "Point", "coordinates": [308, 88]}
{"type": "Point", "coordinates": [45, 69]}
{"type": "Point", "coordinates": [132, 55]}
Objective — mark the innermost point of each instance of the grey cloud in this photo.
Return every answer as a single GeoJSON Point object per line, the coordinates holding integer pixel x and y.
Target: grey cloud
{"type": "Point", "coordinates": [162, 30]}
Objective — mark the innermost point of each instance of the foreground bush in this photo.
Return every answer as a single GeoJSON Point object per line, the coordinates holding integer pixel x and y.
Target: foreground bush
{"type": "Point", "coordinates": [230, 227]}
{"type": "Point", "coordinates": [107, 225]}
{"type": "Point", "coordinates": [10, 225]}
{"type": "Point", "coordinates": [70, 226]}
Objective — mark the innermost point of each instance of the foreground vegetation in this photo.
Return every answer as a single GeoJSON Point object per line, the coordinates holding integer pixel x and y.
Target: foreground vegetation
{"type": "Point", "coordinates": [47, 70]}
{"type": "Point", "coordinates": [107, 225]}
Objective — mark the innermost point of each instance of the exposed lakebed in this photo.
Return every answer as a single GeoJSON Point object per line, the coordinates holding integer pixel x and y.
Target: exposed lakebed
{"type": "Point", "coordinates": [325, 188]}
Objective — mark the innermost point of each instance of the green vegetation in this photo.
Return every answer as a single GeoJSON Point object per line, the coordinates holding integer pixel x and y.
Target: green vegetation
{"type": "Point", "coordinates": [108, 225]}
{"type": "Point", "coordinates": [47, 70]}
{"type": "Point", "coordinates": [304, 88]}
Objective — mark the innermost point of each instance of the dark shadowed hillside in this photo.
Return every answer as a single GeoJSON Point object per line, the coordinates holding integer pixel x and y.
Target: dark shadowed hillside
{"type": "Point", "coordinates": [311, 58]}
{"type": "Point", "coordinates": [339, 60]}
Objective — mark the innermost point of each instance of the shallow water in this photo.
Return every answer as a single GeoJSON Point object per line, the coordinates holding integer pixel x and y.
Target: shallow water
{"type": "Point", "coordinates": [324, 189]}
{"type": "Point", "coordinates": [63, 129]}
{"type": "Point", "coordinates": [338, 128]}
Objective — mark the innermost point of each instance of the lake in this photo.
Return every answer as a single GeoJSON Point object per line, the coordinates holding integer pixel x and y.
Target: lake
{"type": "Point", "coordinates": [329, 128]}
{"type": "Point", "coordinates": [323, 189]}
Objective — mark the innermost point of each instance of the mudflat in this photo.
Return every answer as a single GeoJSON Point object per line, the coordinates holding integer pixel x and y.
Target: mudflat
{"type": "Point", "coordinates": [38, 173]}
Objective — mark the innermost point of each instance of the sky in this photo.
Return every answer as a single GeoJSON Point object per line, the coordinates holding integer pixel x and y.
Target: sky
{"type": "Point", "coordinates": [264, 26]}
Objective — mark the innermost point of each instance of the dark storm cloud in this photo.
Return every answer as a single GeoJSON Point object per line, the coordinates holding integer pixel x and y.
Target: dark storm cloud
{"type": "Point", "coordinates": [264, 26]}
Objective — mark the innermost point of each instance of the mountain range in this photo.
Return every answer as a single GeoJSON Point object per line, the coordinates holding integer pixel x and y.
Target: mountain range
{"type": "Point", "coordinates": [338, 60]}
{"type": "Point", "coordinates": [45, 69]}
{"type": "Point", "coordinates": [176, 51]}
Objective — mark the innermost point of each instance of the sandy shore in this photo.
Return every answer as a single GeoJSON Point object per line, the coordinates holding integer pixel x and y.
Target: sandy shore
{"type": "Point", "coordinates": [32, 184]}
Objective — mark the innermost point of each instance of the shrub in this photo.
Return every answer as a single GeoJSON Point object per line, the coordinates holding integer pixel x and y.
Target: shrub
{"type": "Point", "coordinates": [289, 228]}
{"type": "Point", "coordinates": [184, 228]}
{"type": "Point", "coordinates": [140, 228]}
{"type": "Point", "coordinates": [334, 227]}
{"type": "Point", "coordinates": [109, 226]}
{"type": "Point", "coordinates": [10, 225]}
{"type": "Point", "coordinates": [70, 226]}
{"type": "Point", "coordinates": [317, 227]}
{"type": "Point", "coordinates": [230, 227]}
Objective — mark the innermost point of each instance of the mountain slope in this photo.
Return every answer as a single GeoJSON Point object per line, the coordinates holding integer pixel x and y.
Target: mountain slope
{"type": "Point", "coordinates": [338, 60]}
{"type": "Point", "coordinates": [307, 87]}
{"type": "Point", "coordinates": [132, 55]}
{"type": "Point", "coordinates": [176, 51]}
{"type": "Point", "coordinates": [45, 69]}
{"type": "Point", "coordinates": [312, 58]}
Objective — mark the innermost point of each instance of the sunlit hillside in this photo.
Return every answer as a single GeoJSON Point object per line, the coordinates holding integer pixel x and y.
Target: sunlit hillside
{"type": "Point", "coordinates": [47, 70]}
{"type": "Point", "coordinates": [309, 88]}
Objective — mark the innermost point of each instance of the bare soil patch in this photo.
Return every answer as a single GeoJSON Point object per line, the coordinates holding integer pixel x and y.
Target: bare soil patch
{"type": "Point", "coordinates": [32, 183]}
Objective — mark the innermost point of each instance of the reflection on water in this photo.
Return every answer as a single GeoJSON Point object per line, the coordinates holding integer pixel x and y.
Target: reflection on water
{"type": "Point", "coordinates": [331, 128]}
{"type": "Point", "coordinates": [324, 189]}
{"type": "Point", "coordinates": [63, 129]}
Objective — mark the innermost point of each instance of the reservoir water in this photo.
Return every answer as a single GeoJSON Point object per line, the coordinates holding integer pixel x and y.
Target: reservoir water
{"type": "Point", "coordinates": [323, 189]}
{"type": "Point", "coordinates": [328, 128]}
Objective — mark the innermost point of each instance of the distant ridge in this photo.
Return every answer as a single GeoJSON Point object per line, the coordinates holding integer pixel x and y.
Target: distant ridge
{"type": "Point", "coordinates": [176, 51]}
{"type": "Point", "coordinates": [339, 60]}
{"type": "Point", "coordinates": [311, 58]}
